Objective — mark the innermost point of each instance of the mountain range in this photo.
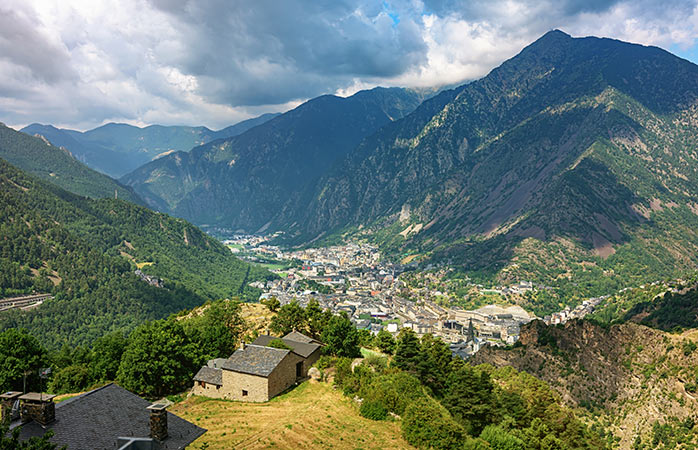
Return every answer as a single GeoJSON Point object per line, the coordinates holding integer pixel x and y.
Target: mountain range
{"type": "Point", "coordinates": [240, 183]}
{"type": "Point", "coordinates": [572, 164]}
{"type": "Point", "coordinates": [571, 161]}
{"type": "Point", "coordinates": [39, 157]}
{"type": "Point", "coordinates": [117, 148]}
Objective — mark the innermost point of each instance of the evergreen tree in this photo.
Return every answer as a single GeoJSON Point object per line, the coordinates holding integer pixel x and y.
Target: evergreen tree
{"type": "Point", "coordinates": [435, 364]}
{"type": "Point", "coordinates": [470, 399]}
{"type": "Point", "coordinates": [407, 354]}
{"type": "Point", "coordinates": [290, 317]}
{"type": "Point", "coordinates": [316, 319]}
{"type": "Point", "coordinates": [385, 342]}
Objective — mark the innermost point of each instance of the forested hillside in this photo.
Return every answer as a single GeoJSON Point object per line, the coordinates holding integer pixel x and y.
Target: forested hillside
{"type": "Point", "coordinates": [38, 157]}
{"type": "Point", "coordinates": [85, 253]}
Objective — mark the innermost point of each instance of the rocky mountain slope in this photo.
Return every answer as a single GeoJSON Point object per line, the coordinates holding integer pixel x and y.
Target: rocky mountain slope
{"type": "Point", "coordinates": [577, 155]}
{"type": "Point", "coordinates": [116, 148]}
{"type": "Point", "coordinates": [637, 378]}
{"type": "Point", "coordinates": [57, 165]}
{"type": "Point", "coordinates": [243, 181]}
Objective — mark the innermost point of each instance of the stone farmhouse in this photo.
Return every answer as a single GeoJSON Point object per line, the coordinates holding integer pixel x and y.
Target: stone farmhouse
{"type": "Point", "coordinates": [257, 372]}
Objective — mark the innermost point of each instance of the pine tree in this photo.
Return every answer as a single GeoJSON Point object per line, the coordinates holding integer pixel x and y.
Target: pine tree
{"type": "Point", "coordinates": [407, 354]}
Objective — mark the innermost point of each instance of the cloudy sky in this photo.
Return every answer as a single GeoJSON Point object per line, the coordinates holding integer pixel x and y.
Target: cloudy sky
{"type": "Point", "coordinates": [81, 63]}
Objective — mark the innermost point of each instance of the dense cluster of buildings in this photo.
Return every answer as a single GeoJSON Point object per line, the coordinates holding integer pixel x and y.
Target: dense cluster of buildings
{"type": "Point", "coordinates": [578, 312]}
{"type": "Point", "coordinates": [374, 297]}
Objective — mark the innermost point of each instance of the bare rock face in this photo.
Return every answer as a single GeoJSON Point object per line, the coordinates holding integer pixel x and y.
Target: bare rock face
{"type": "Point", "coordinates": [635, 373]}
{"type": "Point", "coordinates": [315, 374]}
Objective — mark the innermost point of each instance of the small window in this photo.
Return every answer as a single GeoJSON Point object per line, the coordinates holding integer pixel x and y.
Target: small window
{"type": "Point", "coordinates": [244, 393]}
{"type": "Point", "coordinates": [218, 387]}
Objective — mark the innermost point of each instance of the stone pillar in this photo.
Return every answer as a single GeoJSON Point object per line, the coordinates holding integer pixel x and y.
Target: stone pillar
{"type": "Point", "coordinates": [38, 407]}
{"type": "Point", "coordinates": [7, 400]}
{"type": "Point", "coordinates": [158, 421]}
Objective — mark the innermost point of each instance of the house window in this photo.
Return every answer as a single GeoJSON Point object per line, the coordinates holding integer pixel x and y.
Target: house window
{"type": "Point", "coordinates": [218, 387]}
{"type": "Point", "coordinates": [244, 393]}
{"type": "Point", "coordinates": [202, 384]}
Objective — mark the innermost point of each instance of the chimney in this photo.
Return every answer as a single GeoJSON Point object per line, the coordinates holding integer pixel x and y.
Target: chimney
{"type": "Point", "coordinates": [7, 400]}
{"type": "Point", "coordinates": [37, 407]}
{"type": "Point", "coordinates": [242, 345]}
{"type": "Point", "coordinates": [158, 421]}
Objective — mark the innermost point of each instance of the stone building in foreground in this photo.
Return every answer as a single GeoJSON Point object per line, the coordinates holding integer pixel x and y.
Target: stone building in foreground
{"type": "Point", "coordinates": [257, 372]}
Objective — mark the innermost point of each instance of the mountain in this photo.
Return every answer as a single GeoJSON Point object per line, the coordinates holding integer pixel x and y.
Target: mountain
{"type": "Point", "coordinates": [57, 165]}
{"type": "Point", "coordinates": [572, 164]}
{"type": "Point", "coordinates": [241, 182]}
{"type": "Point", "coordinates": [85, 252]}
{"type": "Point", "coordinates": [117, 148]}
{"type": "Point", "coordinates": [641, 381]}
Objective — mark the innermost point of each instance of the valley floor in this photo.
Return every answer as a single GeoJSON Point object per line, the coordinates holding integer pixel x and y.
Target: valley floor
{"type": "Point", "coordinates": [313, 415]}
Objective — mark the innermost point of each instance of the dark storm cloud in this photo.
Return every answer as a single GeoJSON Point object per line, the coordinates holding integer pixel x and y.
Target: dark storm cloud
{"type": "Point", "coordinates": [214, 62]}
{"type": "Point", "coordinates": [275, 51]}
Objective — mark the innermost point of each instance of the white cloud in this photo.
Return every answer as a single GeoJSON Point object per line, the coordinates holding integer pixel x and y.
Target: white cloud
{"type": "Point", "coordinates": [82, 63]}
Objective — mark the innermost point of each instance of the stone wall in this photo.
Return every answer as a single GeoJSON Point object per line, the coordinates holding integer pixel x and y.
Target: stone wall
{"type": "Point", "coordinates": [312, 359]}
{"type": "Point", "coordinates": [208, 390]}
{"type": "Point", "coordinates": [234, 383]}
{"type": "Point", "coordinates": [284, 375]}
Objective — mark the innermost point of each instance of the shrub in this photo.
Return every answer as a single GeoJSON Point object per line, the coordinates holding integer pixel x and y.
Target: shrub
{"type": "Point", "coordinates": [325, 361]}
{"type": "Point", "coordinates": [395, 391]}
{"type": "Point", "coordinates": [373, 410]}
{"type": "Point", "coordinates": [278, 343]}
{"type": "Point", "coordinates": [501, 439]}
{"type": "Point", "coordinates": [426, 424]}
{"type": "Point", "coordinates": [376, 362]}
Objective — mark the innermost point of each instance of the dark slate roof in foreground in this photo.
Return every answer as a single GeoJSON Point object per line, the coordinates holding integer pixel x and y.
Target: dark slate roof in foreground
{"type": "Point", "coordinates": [255, 360]}
{"type": "Point", "coordinates": [96, 419]}
{"type": "Point", "coordinates": [300, 337]}
{"type": "Point", "coordinates": [301, 348]}
{"type": "Point", "coordinates": [209, 375]}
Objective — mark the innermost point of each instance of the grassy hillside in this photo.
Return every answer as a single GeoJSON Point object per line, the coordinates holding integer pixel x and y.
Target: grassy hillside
{"type": "Point", "coordinates": [36, 156]}
{"type": "Point", "coordinates": [85, 252]}
{"type": "Point", "coordinates": [313, 415]}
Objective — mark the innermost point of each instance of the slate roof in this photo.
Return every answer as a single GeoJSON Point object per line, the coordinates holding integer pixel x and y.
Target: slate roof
{"type": "Point", "coordinates": [255, 360]}
{"type": "Point", "coordinates": [300, 337]}
{"type": "Point", "coordinates": [300, 348]}
{"type": "Point", "coordinates": [96, 419]}
{"type": "Point", "coordinates": [209, 375]}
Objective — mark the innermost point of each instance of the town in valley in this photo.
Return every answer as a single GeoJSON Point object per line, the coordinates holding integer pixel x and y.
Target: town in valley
{"type": "Point", "coordinates": [356, 280]}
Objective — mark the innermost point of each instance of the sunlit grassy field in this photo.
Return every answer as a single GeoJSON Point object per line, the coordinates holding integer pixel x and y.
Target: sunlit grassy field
{"type": "Point", "coordinates": [313, 415]}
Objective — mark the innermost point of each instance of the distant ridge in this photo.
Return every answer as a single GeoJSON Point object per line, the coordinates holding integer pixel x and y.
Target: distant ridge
{"type": "Point", "coordinates": [118, 148]}
{"type": "Point", "coordinates": [57, 165]}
